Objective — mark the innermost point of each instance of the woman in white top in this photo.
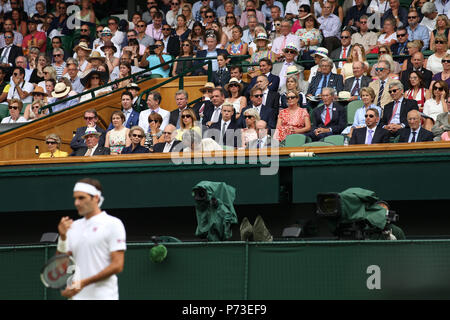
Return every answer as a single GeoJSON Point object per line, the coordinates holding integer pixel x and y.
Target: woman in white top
{"type": "Point", "coordinates": [434, 62]}
{"type": "Point", "coordinates": [379, 7]}
{"type": "Point", "coordinates": [49, 73]}
{"type": "Point", "coordinates": [389, 36]}
{"type": "Point", "coordinates": [437, 104]}
{"type": "Point", "coordinates": [234, 88]}
{"type": "Point", "coordinates": [15, 106]}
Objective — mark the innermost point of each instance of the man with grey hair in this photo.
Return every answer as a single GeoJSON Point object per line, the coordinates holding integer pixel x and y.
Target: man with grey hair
{"type": "Point", "coordinates": [181, 99]}
{"type": "Point", "coordinates": [58, 62]}
{"type": "Point", "coordinates": [324, 78]}
{"type": "Point", "coordinates": [72, 75]}
{"type": "Point", "coordinates": [358, 81]}
{"type": "Point", "coordinates": [430, 14]}
{"type": "Point", "coordinates": [286, 37]}
{"type": "Point", "coordinates": [330, 118]}
{"type": "Point", "coordinates": [22, 61]}
{"type": "Point", "coordinates": [415, 132]}
{"type": "Point", "coordinates": [395, 113]}
{"type": "Point", "coordinates": [380, 86]}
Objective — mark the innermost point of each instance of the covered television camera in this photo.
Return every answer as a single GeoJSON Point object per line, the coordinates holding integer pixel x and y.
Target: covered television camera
{"type": "Point", "coordinates": [354, 214]}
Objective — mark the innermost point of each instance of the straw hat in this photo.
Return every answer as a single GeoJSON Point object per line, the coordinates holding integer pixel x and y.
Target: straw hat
{"type": "Point", "coordinates": [38, 90]}
{"type": "Point", "coordinates": [208, 85]}
{"type": "Point", "coordinates": [291, 46]}
{"type": "Point", "coordinates": [344, 95]}
{"type": "Point", "coordinates": [61, 90]}
{"type": "Point", "coordinates": [292, 70]}
{"type": "Point", "coordinates": [133, 86]}
{"type": "Point", "coordinates": [103, 76]}
{"type": "Point", "coordinates": [82, 45]}
{"type": "Point", "coordinates": [234, 81]}
{"type": "Point", "coordinates": [96, 55]}
{"type": "Point", "coordinates": [262, 36]}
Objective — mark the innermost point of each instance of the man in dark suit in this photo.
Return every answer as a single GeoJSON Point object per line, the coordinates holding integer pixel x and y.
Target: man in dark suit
{"type": "Point", "coordinates": [10, 52]}
{"type": "Point", "coordinates": [324, 79]}
{"type": "Point", "coordinates": [395, 113]}
{"type": "Point", "coordinates": [270, 98]}
{"type": "Point", "coordinates": [211, 51]}
{"type": "Point", "coordinates": [400, 48]}
{"type": "Point", "coordinates": [171, 42]}
{"type": "Point", "coordinates": [416, 64]}
{"type": "Point", "coordinates": [415, 132]}
{"type": "Point", "coordinates": [92, 147]}
{"type": "Point", "coordinates": [181, 99]}
{"type": "Point", "coordinates": [91, 118]}
{"type": "Point", "coordinates": [265, 66]}
{"type": "Point", "coordinates": [212, 113]}
{"type": "Point", "coordinates": [329, 119]}
{"type": "Point", "coordinates": [170, 144]}
{"type": "Point", "coordinates": [225, 132]}
{"type": "Point", "coordinates": [131, 116]}
{"type": "Point", "coordinates": [266, 113]}
{"type": "Point", "coordinates": [358, 81]}
{"type": "Point", "coordinates": [344, 50]}
{"type": "Point", "coordinates": [372, 133]}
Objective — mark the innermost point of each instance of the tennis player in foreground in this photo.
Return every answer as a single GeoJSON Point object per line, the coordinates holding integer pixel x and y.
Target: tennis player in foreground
{"type": "Point", "coordinates": [97, 242]}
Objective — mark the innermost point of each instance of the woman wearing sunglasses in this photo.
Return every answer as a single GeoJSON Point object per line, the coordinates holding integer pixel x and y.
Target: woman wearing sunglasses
{"type": "Point", "coordinates": [230, 22]}
{"type": "Point", "coordinates": [235, 96]}
{"type": "Point", "coordinates": [154, 134]}
{"type": "Point", "coordinates": [293, 119]}
{"type": "Point", "coordinates": [434, 62]}
{"type": "Point", "coordinates": [437, 104]}
{"type": "Point", "coordinates": [136, 136]}
{"type": "Point", "coordinates": [53, 142]}
{"type": "Point", "coordinates": [249, 132]}
{"type": "Point", "coordinates": [14, 106]}
{"type": "Point", "coordinates": [442, 26]}
{"type": "Point", "coordinates": [445, 74]}
{"type": "Point", "coordinates": [187, 122]}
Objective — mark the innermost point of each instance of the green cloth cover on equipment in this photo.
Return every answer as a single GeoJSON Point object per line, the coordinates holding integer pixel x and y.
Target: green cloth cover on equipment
{"type": "Point", "coordinates": [359, 204]}
{"type": "Point", "coordinates": [214, 219]}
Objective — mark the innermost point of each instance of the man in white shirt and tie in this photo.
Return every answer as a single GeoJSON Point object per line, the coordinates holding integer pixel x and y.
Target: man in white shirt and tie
{"type": "Point", "coordinates": [153, 103]}
{"type": "Point", "coordinates": [224, 131]}
{"type": "Point", "coordinates": [212, 115]}
{"type": "Point", "coordinates": [415, 132]}
{"type": "Point", "coordinates": [344, 50]}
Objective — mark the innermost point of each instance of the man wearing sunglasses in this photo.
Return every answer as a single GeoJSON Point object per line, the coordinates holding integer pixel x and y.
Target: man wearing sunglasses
{"type": "Point", "coordinates": [170, 142]}
{"type": "Point", "coordinates": [266, 113]}
{"type": "Point", "coordinates": [417, 31]}
{"type": "Point", "coordinates": [395, 113]}
{"type": "Point", "coordinates": [171, 42]}
{"type": "Point", "coordinates": [91, 119]}
{"type": "Point", "coordinates": [10, 51]}
{"type": "Point", "coordinates": [344, 50]}
{"type": "Point", "coordinates": [290, 53]}
{"type": "Point", "coordinates": [354, 13]}
{"type": "Point", "coordinates": [8, 25]}
{"type": "Point", "coordinates": [372, 132]}
{"type": "Point", "coordinates": [20, 88]}
{"type": "Point", "coordinates": [34, 38]}
{"type": "Point", "coordinates": [400, 48]}
{"type": "Point", "coordinates": [380, 86]}
{"type": "Point", "coordinates": [368, 39]}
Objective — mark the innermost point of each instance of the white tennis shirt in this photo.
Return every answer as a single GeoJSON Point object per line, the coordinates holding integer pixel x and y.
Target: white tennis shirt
{"type": "Point", "coordinates": [91, 242]}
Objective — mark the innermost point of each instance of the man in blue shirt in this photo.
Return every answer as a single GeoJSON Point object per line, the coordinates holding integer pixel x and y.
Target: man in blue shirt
{"type": "Point", "coordinates": [417, 31]}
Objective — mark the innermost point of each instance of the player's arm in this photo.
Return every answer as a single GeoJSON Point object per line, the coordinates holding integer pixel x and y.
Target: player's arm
{"type": "Point", "coordinates": [116, 266]}
{"type": "Point", "coordinates": [63, 227]}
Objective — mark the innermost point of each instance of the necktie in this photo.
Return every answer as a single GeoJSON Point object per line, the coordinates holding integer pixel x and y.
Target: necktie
{"type": "Point", "coordinates": [259, 144]}
{"type": "Point", "coordinates": [327, 117]}
{"type": "Point", "coordinates": [355, 90]}
{"type": "Point", "coordinates": [344, 54]}
{"type": "Point", "coordinates": [215, 116]}
{"type": "Point", "coordinates": [394, 112]}
{"type": "Point", "coordinates": [284, 43]}
{"type": "Point", "coordinates": [224, 128]}
{"type": "Point", "coordinates": [88, 152]}
{"type": "Point", "coordinates": [369, 137]}
{"type": "Point", "coordinates": [380, 93]}
{"type": "Point", "coordinates": [414, 136]}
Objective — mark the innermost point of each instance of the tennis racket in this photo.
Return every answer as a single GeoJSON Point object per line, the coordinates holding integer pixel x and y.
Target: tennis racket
{"type": "Point", "coordinates": [58, 271]}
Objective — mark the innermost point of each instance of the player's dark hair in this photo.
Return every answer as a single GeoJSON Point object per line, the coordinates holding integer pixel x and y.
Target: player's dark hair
{"type": "Point", "coordinates": [92, 182]}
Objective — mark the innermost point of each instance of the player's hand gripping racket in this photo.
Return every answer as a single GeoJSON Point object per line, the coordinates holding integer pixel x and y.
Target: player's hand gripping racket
{"type": "Point", "coordinates": [58, 271]}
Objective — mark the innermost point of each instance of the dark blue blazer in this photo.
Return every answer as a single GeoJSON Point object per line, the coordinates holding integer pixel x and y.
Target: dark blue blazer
{"type": "Point", "coordinates": [335, 81]}
{"type": "Point", "coordinates": [133, 120]}
{"type": "Point", "coordinates": [269, 115]}
{"type": "Point", "coordinates": [202, 54]}
{"type": "Point", "coordinates": [359, 136]}
{"type": "Point", "coordinates": [424, 135]}
{"type": "Point", "coordinates": [338, 119]}
{"type": "Point", "coordinates": [274, 83]}
{"type": "Point", "coordinates": [406, 106]}
{"type": "Point", "coordinates": [138, 149]}
{"type": "Point", "coordinates": [78, 142]}
{"type": "Point", "coordinates": [232, 129]}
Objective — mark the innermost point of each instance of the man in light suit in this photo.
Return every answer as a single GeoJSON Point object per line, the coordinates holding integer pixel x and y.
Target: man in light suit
{"type": "Point", "coordinates": [91, 118]}
{"type": "Point", "coordinates": [330, 118]}
{"type": "Point", "coordinates": [131, 116]}
{"type": "Point", "coordinates": [170, 144]}
{"type": "Point", "coordinates": [380, 86]}
{"type": "Point", "coordinates": [358, 81]}
{"type": "Point", "coordinates": [372, 133]}
{"type": "Point", "coordinates": [280, 69]}
{"type": "Point", "coordinates": [92, 147]}
{"type": "Point", "coordinates": [153, 103]}
{"type": "Point", "coordinates": [395, 113]}
{"type": "Point", "coordinates": [415, 132]}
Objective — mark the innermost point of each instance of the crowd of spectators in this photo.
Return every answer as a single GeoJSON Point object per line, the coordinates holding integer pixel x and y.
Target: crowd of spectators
{"type": "Point", "coordinates": [331, 40]}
